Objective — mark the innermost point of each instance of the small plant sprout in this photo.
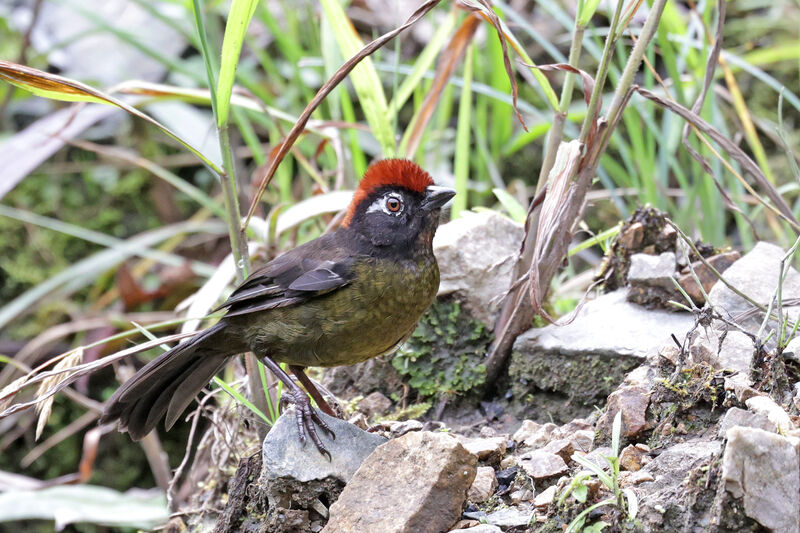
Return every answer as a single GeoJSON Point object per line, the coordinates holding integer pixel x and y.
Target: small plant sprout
{"type": "Point", "coordinates": [624, 499]}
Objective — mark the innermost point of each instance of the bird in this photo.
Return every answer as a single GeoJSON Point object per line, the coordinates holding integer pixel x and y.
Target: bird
{"type": "Point", "coordinates": [347, 296]}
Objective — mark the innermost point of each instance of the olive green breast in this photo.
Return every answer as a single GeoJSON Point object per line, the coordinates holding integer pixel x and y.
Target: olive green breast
{"type": "Point", "coordinates": [370, 316]}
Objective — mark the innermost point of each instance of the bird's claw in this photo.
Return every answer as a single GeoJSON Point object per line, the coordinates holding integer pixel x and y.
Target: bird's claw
{"type": "Point", "coordinates": [306, 416]}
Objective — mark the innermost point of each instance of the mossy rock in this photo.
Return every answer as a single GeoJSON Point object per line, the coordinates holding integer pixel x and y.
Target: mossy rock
{"type": "Point", "coordinates": [445, 353]}
{"type": "Point", "coordinates": [564, 386]}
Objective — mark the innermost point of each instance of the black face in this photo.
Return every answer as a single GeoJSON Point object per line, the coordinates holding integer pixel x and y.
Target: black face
{"type": "Point", "coordinates": [393, 217]}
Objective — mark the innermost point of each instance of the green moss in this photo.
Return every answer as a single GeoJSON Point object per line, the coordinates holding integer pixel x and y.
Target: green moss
{"type": "Point", "coordinates": [445, 353]}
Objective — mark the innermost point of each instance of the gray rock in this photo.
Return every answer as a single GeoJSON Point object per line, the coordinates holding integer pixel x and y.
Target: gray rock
{"type": "Point", "coordinates": [611, 326]}
{"type": "Point", "coordinates": [756, 274]}
{"type": "Point", "coordinates": [374, 404]}
{"type": "Point", "coordinates": [652, 270]}
{"type": "Point", "coordinates": [763, 469]}
{"type": "Point", "coordinates": [540, 464]}
{"type": "Point", "coordinates": [546, 497]}
{"type": "Point", "coordinates": [285, 457]}
{"type": "Point", "coordinates": [480, 528]}
{"type": "Point", "coordinates": [766, 406]}
{"type": "Point", "coordinates": [483, 486]}
{"type": "Point", "coordinates": [510, 517]}
{"type": "Point", "coordinates": [587, 359]}
{"type": "Point", "coordinates": [489, 450]}
{"type": "Point", "coordinates": [413, 484]}
{"type": "Point", "coordinates": [632, 402]}
{"type": "Point", "coordinates": [663, 501]}
{"type": "Point", "coordinates": [735, 353]}
{"type": "Point", "coordinates": [476, 254]}
{"type": "Point", "coordinates": [739, 417]}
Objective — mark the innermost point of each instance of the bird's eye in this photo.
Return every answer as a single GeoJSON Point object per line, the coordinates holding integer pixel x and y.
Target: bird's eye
{"type": "Point", "coordinates": [394, 204]}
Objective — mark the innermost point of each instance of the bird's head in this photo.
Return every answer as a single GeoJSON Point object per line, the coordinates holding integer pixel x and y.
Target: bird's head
{"type": "Point", "coordinates": [396, 204]}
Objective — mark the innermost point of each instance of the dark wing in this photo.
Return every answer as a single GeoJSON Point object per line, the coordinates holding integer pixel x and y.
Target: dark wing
{"type": "Point", "coordinates": [315, 268]}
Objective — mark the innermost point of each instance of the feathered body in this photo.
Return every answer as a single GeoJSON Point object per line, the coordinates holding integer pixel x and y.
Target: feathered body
{"type": "Point", "coordinates": [345, 297]}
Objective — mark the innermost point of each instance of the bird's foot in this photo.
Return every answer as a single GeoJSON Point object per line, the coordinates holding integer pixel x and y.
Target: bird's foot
{"type": "Point", "coordinates": [306, 417]}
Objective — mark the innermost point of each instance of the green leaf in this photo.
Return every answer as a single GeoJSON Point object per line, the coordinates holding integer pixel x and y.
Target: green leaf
{"type": "Point", "coordinates": [364, 77]}
{"type": "Point", "coordinates": [85, 503]}
{"type": "Point", "coordinates": [238, 20]}
{"type": "Point", "coordinates": [580, 492]}
{"type": "Point", "coordinates": [597, 527]}
{"type": "Point", "coordinates": [515, 209]}
{"type": "Point", "coordinates": [241, 399]}
{"type": "Point", "coordinates": [463, 129]}
{"type": "Point", "coordinates": [587, 12]}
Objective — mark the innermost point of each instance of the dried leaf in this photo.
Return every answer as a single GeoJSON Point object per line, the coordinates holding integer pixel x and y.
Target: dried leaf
{"type": "Point", "coordinates": [75, 372]}
{"type": "Point", "coordinates": [747, 164]}
{"type": "Point", "coordinates": [484, 7]}
{"type": "Point", "coordinates": [554, 231]}
{"type": "Point", "coordinates": [56, 87]}
{"type": "Point", "coordinates": [45, 407]}
{"type": "Point", "coordinates": [448, 60]}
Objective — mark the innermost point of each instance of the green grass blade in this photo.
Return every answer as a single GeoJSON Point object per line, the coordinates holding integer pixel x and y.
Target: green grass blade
{"type": "Point", "coordinates": [461, 166]}
{"type": "Point", "coordinates": [241, 399]}
{"type": "Point", "coordinates": [238, 20]}
{"type": "Point", "coordinates": [364, 77]}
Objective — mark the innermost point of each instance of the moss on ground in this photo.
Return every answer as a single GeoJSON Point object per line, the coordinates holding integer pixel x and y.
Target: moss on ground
{"type": "Point", "coordinates": [445, 353]}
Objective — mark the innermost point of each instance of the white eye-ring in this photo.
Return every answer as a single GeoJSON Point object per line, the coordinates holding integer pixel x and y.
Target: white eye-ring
{"type": "Point", "coordinates": [391, 204]}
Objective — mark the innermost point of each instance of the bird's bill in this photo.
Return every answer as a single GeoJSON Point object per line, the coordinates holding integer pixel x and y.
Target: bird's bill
{"type": "Point", "coordinates": [436, 197]}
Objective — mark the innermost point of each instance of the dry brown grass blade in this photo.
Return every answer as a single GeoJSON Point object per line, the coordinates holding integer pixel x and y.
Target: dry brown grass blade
{"type": "Point", "coordinates": [323, 92]}
{"type": "Point", "coordinates": [449, 58]}
{"type": "Point", "coordinates": [747, 164]}
{"type": "Point", "coordinates": [554, 230]}
{"type": "Point", "coordinates": [75, 373]}
{"type": "Point", "coordinates": [588, 89]}
{"type": "Point", "coordinates": [484, 8]}
{"type": "Point", "coordinates": [56, 87]}
{"type": "Point", "coordinates": [45, 405]}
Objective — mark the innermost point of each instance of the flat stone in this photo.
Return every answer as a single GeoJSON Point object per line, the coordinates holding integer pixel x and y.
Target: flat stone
{"type": "Point", "coordinates": [763, 469]}
{"type": "Point", "coordinates": [480, 528]}
{"type": "Point", "coordinates": [756, 274]}
{"type": "Point", "coordinates": [484, 485]}
{"type": "Point", "coordinates": [630, 479]}
{"type": "Point", "coordinates": [739, 417]}
{"type": "Point", "coordinates": [525, 431]}
{"type": "Point", "coordinates": [490, 450]}
{"type": "Point", "coordinates": [546, 497]}
{"type": "Point", "coordinates": [632, 401]}
{"type": "Point", "coordinates": [587, 359]}
{"type": "Point", "coordinates": [720, 262]}
{"type": "Point", "coordinates": [652, 270]}
{"type": "Point", "coordinates": [541, 465]}
{"type": "Point", "coordinates": [741, 387]}
{"type": "Point", "coordinates": [476, 255]}
{"type": "Point", "coordinates": [736, 352]}
{"type": "Point", "coordinates": [561, 447]}
{"type": "Point", "coordinates": [510, 517]}
{"type": "Point", "coordinates": [611, 326]}
{"type": "Point", "coordinates": [416, 483]}
{"type": "Point", "coordinates": [541, 436]}
{"type": "Point", "coordinates": [766, 406]}
{"type": "Point", "coordinates": [283, 456]}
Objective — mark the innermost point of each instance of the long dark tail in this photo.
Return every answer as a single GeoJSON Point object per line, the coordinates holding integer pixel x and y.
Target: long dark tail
{"type": "Point", "coordinates": [168, 383]}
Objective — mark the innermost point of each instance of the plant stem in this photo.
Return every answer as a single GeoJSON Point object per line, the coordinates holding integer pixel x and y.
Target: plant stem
{"type": "Point", "coordinates": [602, 72]}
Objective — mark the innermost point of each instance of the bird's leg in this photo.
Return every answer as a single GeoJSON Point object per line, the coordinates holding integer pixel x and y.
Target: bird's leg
{"type": "Point", "coordinates": [299, 371]}
{"type": "Point", "coordinates": [305, 415]}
